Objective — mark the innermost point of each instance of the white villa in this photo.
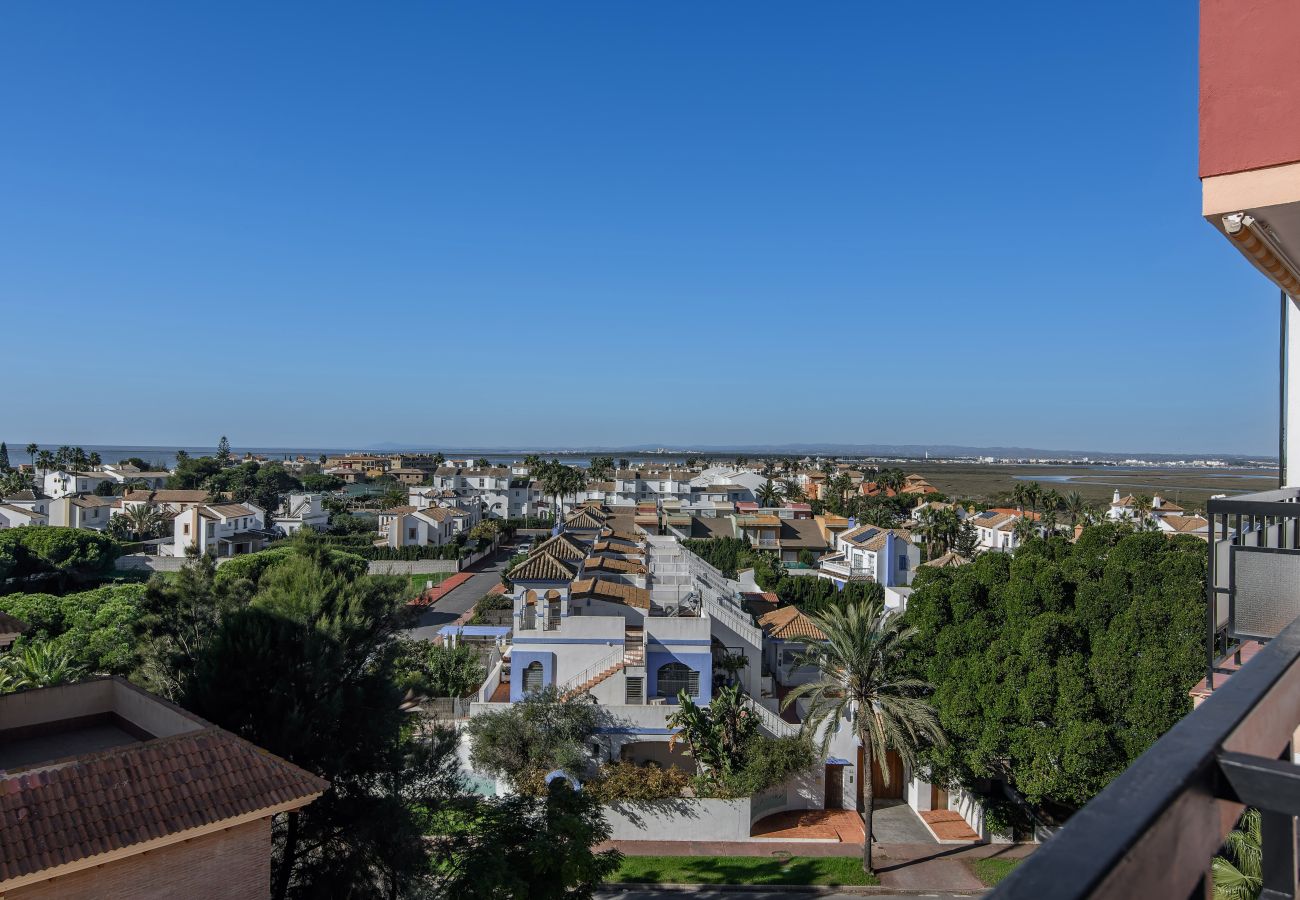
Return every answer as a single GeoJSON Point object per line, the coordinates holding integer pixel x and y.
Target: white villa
{"type": "Point", "coordinates": [1125, 508]}
{"type": "Point", "coordinates": [222, 529]}
{"type": "Point", "coordinates": [81, 510]}
{"type": "Point", "coordinates": [299, 511]}
{"type": "Point", "coordinates": [60, 483]}
{"type": "Point", "coordinates": [871, 553]}
{"type": "Point", "coordinates": [996, 530]}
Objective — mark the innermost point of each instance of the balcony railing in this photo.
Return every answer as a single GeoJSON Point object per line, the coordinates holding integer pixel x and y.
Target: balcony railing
{"type": "Point", "coordinates": [1155, 829]}
{"type": "Point", "coordinates": [1253, 566]}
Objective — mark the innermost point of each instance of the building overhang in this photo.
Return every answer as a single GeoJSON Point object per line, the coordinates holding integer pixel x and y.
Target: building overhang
{"type": "Point", "coordinates": [1258, 212]}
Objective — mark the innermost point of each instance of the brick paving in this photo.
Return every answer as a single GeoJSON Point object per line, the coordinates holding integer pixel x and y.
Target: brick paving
{"type": "Point", "coordinates": [948, 825]}
{"type": "Point", "coordinates": [811, 824]}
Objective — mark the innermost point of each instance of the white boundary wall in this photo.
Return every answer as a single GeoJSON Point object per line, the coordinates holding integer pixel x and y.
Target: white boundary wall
{"type": "Point", "coordinates": [684, 819]}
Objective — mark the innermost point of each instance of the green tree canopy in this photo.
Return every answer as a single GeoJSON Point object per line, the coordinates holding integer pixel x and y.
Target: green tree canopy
{"type": "Point", "coordinates": [95, 628]}
{"type": "Point", "coordinates": [528, 739]}
{"type": "Point", "coordinates": [1056, 667]}
{"type": "Point", "coordinates": [71, 554]}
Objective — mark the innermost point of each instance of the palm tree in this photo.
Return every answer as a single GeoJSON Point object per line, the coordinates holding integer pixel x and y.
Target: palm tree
{"type": "Point", "coordinates": [791, 490]}
{"type": "Point", "coordinates": [144, 519]}
{"type": "Point", "coordinates": [31, 454]}
{"type": "Point", "coordinates": [1051, 504]}
{"type": "Point", "coordinates": [1241, 876]}
{"type": "Point", "coordinates": [769, 494]}
{"type": "Point", "coordinates": [63, 457]}
{"type": "Point", "coordinates": [1141, 506]}
{"type": "Point", "coordinates": [94, 460]}
{"type": "Point", "coordinates": [1033, 493]}
{"type": "Point", "coordinates": [45, 459]}
{"type": "Point", "coordinates": [40, 665]}
{"type": "Point", "coordinates": [1025, 528]}
{"type": "Point", "coordinates": [861, 679]}
{"type": "Point", "coordinates": [1020, 496]}
{"type": "Point", "coordinates": [939, 528]}
{"type": "Point", "coordinates": [1075, 506]}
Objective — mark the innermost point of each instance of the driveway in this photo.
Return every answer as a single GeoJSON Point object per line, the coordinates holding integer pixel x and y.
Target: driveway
{"type": "Point", "coordinates": [487, 574]}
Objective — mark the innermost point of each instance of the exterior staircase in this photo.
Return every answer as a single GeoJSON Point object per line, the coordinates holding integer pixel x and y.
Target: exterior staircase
{"type": "Point", "coordinates": [592, 682]}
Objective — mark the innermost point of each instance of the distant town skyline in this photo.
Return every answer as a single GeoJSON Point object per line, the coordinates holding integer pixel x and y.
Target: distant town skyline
{"type": "Point", "coordinates": [581, 224]}
{"type": "Point", "coordinates": [938, 451]}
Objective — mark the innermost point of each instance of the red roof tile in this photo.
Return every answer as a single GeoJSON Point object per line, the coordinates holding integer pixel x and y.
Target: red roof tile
{"type": "Point", "coordinates": [58, 813]}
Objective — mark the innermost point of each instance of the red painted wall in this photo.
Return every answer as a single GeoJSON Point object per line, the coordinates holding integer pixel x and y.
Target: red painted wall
{"type": "Point", "coordinates": [1250, 84]}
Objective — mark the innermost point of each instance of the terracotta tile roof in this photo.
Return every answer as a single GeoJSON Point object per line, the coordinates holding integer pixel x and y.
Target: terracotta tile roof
{"type": "Point", "coordinates": [612, 591]}
{"type": "Point", "coordinates": [948, 561]}
{"type": "Point", "coordinates": [52, 815]}
{"type": "Point", "coordinates": [759, 604]}
{"type": "Point", "coordinates": [562, 547]}
{"type": "Point", "coordinates": [755, 521]}
{"type": "Point", "coordinates": [166, 496]}
{"type": "Point", "coordinates": [620, 547]}
{"type": "Point", "coordinates": [991, 518]}
{"type": "Point", "coordinates": [542, 567]}
{"type": "Point", "coordinates": [1185, 524]}
{"type": "Point", "coordinates": [397, 511]}
{"type": "Point", "coordinates": [230, 510]}
{"type": "Point", "coordinates": [22, 510]}
{"type": "Point", "coordinates": [91, 501]}
{"type": "Point", "coordinates": [586, 520]}
{"type": "Point", "coordinates": [788, 623]}
{"type": "Point", "coordinates": [613, 564]}
{"type": "Point", "coordinates": [872, 537]}
{"type": "Point", "coordinates": [626, 537]}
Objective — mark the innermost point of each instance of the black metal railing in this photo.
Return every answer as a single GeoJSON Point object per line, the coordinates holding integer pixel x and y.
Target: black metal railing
{"type": "Point", "coordinates": [1262, 531]}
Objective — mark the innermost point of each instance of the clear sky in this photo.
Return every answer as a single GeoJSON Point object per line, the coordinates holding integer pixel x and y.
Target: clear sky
{"type": "Point", "coordinates": [612, 223]}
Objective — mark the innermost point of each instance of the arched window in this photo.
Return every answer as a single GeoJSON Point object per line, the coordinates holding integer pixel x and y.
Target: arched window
{"type": "Point", "coordinates": [532, 678]}
{"type": "Point", "coordinates": [675, 677]}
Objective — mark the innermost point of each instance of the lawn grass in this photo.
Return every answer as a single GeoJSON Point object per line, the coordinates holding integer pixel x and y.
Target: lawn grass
{"type": "Point", "coordinates": [991, 871]}
{"type": "Point", "coordinates": [742, 870]}
{"type": "Point", "coordinates": [417, 581]}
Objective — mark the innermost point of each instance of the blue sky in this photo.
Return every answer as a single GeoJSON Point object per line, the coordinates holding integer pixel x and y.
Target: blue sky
{"type": "Point", "coordinates": [599, 223]}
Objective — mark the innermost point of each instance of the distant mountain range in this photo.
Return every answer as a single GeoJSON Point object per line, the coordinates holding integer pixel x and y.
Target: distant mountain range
{"type": "Point", "coordinates": [815, 449]}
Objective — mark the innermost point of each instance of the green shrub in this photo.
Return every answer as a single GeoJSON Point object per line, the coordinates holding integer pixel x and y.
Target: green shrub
{"type": "Point", "coordinates": [626, 781]}
{"type": "Point", "coordinates": [765, 763]}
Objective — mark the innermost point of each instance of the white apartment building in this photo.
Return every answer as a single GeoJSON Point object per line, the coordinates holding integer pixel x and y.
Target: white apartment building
{"type": "Point", "coordinates": [502, 493]}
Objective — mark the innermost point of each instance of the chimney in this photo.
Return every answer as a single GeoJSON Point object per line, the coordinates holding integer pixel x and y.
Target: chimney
{"type": "Point", "coordinates": [1156, 501]}
{"type": "Point", "coordinates": [1115, 499]}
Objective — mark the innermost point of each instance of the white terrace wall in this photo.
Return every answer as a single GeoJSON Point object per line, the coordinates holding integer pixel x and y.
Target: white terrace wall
{"type": "Point", "coordinates": [680, 820]}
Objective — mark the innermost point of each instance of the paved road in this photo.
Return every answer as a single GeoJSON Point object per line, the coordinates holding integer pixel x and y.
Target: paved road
{"type": "Point", "coordinates": [759, 893]}
{"type": "Point", "coordinates": [487, 574]}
